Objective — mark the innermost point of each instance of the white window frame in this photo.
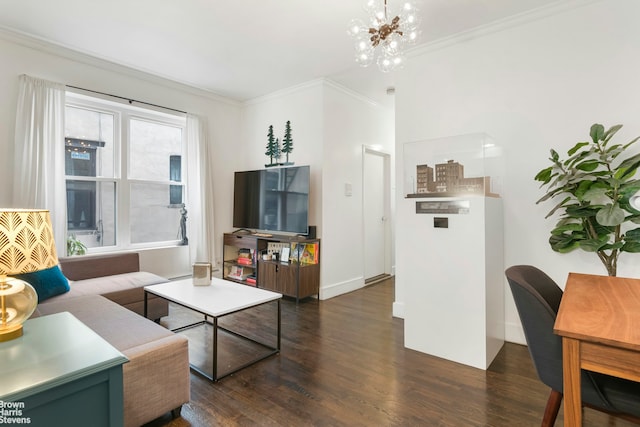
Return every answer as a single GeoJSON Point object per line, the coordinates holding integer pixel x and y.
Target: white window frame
{"type": "Point", "coordinates": [123, 113]}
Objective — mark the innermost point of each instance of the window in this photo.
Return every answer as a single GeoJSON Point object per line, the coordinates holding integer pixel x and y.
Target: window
{"type": "Point", "coordinates": [175, 175]}
{"type": "Point", "coordinates": [119, 193]}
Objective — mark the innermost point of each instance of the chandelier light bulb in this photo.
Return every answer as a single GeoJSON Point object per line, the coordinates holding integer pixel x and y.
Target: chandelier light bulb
{"type": "Point", "coordinates": [364, 59]}
{"type": "Point", "coordinates": [390, 30]}
{"type": "Point", "coordinates": [385, 64]}
{"type": "Point", "coordinates": [371, 6]}
{"type": "Point", "coordinates": [356, 27]}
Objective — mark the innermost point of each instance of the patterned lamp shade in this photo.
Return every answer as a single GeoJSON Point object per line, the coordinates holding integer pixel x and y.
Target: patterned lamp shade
{"type": "Point", "coordinates": [26, 241]}
{"type": "Point", "coordinates": [26, 246]}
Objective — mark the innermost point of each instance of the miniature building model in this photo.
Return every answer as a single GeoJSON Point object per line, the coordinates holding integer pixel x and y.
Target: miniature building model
{"type": "Point", "coordinates": [448, 175]}
{"type": "Point", "coordinates": [425, 180]}
{"type": "Point", "coordinates": [449, 178]}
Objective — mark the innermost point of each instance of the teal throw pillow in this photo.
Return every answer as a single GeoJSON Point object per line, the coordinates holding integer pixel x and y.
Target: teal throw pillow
{"type": "Point", "coordinates": [47, 283]}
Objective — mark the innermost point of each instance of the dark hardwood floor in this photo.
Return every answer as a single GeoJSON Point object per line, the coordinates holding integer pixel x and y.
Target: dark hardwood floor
{"type": "Point", "coordinates": [343, 363]}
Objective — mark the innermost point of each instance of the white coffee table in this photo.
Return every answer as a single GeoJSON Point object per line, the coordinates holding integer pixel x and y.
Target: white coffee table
{"type": "Point", "coordinates": [217, 300]}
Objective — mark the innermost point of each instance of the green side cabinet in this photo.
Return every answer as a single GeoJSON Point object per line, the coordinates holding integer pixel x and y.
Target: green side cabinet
{"type": "Point", "coordinates": [60, 373]}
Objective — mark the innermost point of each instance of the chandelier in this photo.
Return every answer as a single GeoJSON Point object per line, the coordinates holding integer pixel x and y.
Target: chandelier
{"type": "Point", "coordinates": [386, 35]}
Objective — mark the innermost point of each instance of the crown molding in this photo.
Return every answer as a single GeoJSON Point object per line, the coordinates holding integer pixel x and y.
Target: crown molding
{"type": "Point", "coordinates": [313, 84]}
{"type": "Point", "coordinates": [92, 59]}
{"type": "Point", "coordinates": [500, 25]}
{"type": "Point", "coordinates": [354, 94]}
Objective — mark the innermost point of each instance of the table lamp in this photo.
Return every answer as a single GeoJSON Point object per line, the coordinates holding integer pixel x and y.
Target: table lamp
{"type": "Point", "coordinates": [26, 245]}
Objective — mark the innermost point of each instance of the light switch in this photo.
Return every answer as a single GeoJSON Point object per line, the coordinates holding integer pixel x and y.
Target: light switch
{"type": "Point", "coordinates": [348, 190]}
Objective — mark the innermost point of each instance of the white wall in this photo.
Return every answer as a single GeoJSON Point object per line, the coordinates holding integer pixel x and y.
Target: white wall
{"type": "Point", "coordinates": [350, 123]}
{"type": "Point", "coordinates": [329, 127]}
{"type": "Point", "coordinates": [302, 106]}
{"type": "Point", "coordinates": [532, 87]}
{"type": "Point", "coordinates": [37, 59]}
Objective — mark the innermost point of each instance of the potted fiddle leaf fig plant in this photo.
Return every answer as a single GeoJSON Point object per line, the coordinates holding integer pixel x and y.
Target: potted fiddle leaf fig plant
{"type": "Point", "coordinates": [592, 188]}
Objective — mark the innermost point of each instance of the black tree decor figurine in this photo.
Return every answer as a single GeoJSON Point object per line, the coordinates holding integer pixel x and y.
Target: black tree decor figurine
{"type": "Point", "coordinates": [287, 143]}
{"type": "Point", "coordinates": [277, 152]}
{"type": "Point", "coordinates": [273, 150]}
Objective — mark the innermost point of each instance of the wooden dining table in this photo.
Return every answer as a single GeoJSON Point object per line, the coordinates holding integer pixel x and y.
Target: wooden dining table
{"type": "Point", "coordinates": [599, 322]}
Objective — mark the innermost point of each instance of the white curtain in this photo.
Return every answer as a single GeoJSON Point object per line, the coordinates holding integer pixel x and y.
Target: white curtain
{"type": "Point", "coordinates": [199, 192]}
{"type": "Point", "coordinates": [39, 153]}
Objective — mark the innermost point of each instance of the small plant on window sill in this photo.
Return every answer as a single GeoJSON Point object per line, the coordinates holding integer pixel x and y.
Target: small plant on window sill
{"type": "Point", "coordinates": [75, 246]}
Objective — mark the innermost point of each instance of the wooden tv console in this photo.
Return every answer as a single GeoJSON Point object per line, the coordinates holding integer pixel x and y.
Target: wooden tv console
{"type": "Point", "coordinates": [244, 262]}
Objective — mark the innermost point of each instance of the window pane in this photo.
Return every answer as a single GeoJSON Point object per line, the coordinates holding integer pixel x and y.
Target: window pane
{"type": "Point", "coordinates": [151, 147]}
{"type": "Point", "coordinates": [152, 220]}
{"type": "Point", "coordinates": [81, 205]}
{"type": "Point", "coordinates": [175, 194]}
{"type": "Point", "coordinates": [91, 212]}
{"type": "Point", "coordinates": [89, 142]}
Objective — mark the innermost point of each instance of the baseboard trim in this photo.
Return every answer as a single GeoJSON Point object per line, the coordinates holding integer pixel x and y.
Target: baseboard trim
{"type": "Point", "coordinates": [398, 310]}
{"type": "Point", "coordinates": [341, 288]}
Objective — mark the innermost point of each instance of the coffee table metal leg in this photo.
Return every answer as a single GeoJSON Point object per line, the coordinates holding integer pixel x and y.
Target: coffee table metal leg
{"type": "Point", "coordinates": [215, 349]}
{"type": "Point", "coordinates": [146, 296]}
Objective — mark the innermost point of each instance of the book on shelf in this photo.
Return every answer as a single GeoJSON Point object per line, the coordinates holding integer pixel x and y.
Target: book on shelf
{"type": "Point", "coordinates": [246, 256]}
{"type": "Point", "coordinates": [238, 273]}
{"type": "Point", "coordinates": [244, 261]}
{"type": "Point", "coordinates": [306, 253]}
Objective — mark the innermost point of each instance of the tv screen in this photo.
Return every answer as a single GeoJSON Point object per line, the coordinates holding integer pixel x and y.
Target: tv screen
{"type": "Point", "coordinates": [272, 199]}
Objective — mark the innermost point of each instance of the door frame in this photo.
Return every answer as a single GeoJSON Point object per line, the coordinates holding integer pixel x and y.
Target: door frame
{"type": "Point", "coordinates": [386, 157]}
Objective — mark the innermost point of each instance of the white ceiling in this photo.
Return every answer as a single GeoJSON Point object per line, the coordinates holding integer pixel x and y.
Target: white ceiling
{"type": "Point", "coordinates": [241, 49]}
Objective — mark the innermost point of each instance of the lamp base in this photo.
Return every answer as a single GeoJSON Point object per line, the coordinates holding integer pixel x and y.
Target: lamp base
{"type": "Point", "coordinates": [10, 333]}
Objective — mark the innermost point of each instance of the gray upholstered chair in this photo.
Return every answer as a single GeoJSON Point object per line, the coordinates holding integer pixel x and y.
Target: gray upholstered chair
{"type": "Point", "coordinates": [537, 299]}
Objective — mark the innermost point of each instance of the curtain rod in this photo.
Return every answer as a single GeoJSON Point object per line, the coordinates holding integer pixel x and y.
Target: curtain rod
{"type": "Point", "coordinates": [131, 101]}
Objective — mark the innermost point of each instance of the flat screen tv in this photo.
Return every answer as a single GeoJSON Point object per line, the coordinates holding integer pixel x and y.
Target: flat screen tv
{"type": "Point", "coordinates": [274, 199]}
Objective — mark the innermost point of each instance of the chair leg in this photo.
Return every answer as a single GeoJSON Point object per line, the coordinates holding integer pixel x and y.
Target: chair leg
{"type": "Point", "coordinates": [552, 408]}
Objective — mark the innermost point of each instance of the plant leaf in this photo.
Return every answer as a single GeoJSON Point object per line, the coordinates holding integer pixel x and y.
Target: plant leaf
{"type": "Point", "coordinates": [563, 243]}
{"type": "Point", "coordinates": [576, 147]}
{"type": "Point", "coordinates": [632, 235]}
{"type": "Point", "coordinates": [610, 215]}
{"type": "Point", "coordinates": [588, 165]}
{"type": "Point", "coordinates": [582, 211]}
{"type": "Point", "coordinates": [595, 193]}
{"type": "Point", "coordinates": [597, 132]}
{"type": "Point", "coordinates": [610, 132]}
{"type": "Point", "coordinates": [591, 245]}
{"type": "Point", "coordinates": [544, 175]}
{"type": "Point", "coordinates": [573, 226]}
{"type": "Point", "coordinates": [632, 247]}
{"type": "Point", "coordinates": [558, 206]}
{"type": "Point", "coordinates": [630, 166]}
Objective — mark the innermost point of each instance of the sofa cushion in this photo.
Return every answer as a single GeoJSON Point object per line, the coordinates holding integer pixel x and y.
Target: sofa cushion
{"type": "Point", "coordinates": [47, 283]}
{"type": "Point", "coordinates": [121, 288]}
{"type": "Point", "coordinates": [91, 266]}
{"type": "Point", "coordinates": [122, 328]}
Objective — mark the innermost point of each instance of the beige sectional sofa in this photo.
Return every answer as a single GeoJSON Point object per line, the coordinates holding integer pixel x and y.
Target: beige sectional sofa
{"type": "Point", "coordinates": [156, 379]}
{"type": "Point", "coordinates": [114, 276]}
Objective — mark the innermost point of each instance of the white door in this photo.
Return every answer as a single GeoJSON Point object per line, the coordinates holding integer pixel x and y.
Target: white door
{"type": "Point", "coordinates": [374, 214]}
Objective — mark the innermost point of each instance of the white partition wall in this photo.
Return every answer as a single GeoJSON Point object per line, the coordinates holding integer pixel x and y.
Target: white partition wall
{"type": "Point", "coordinates": [452, 265]}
